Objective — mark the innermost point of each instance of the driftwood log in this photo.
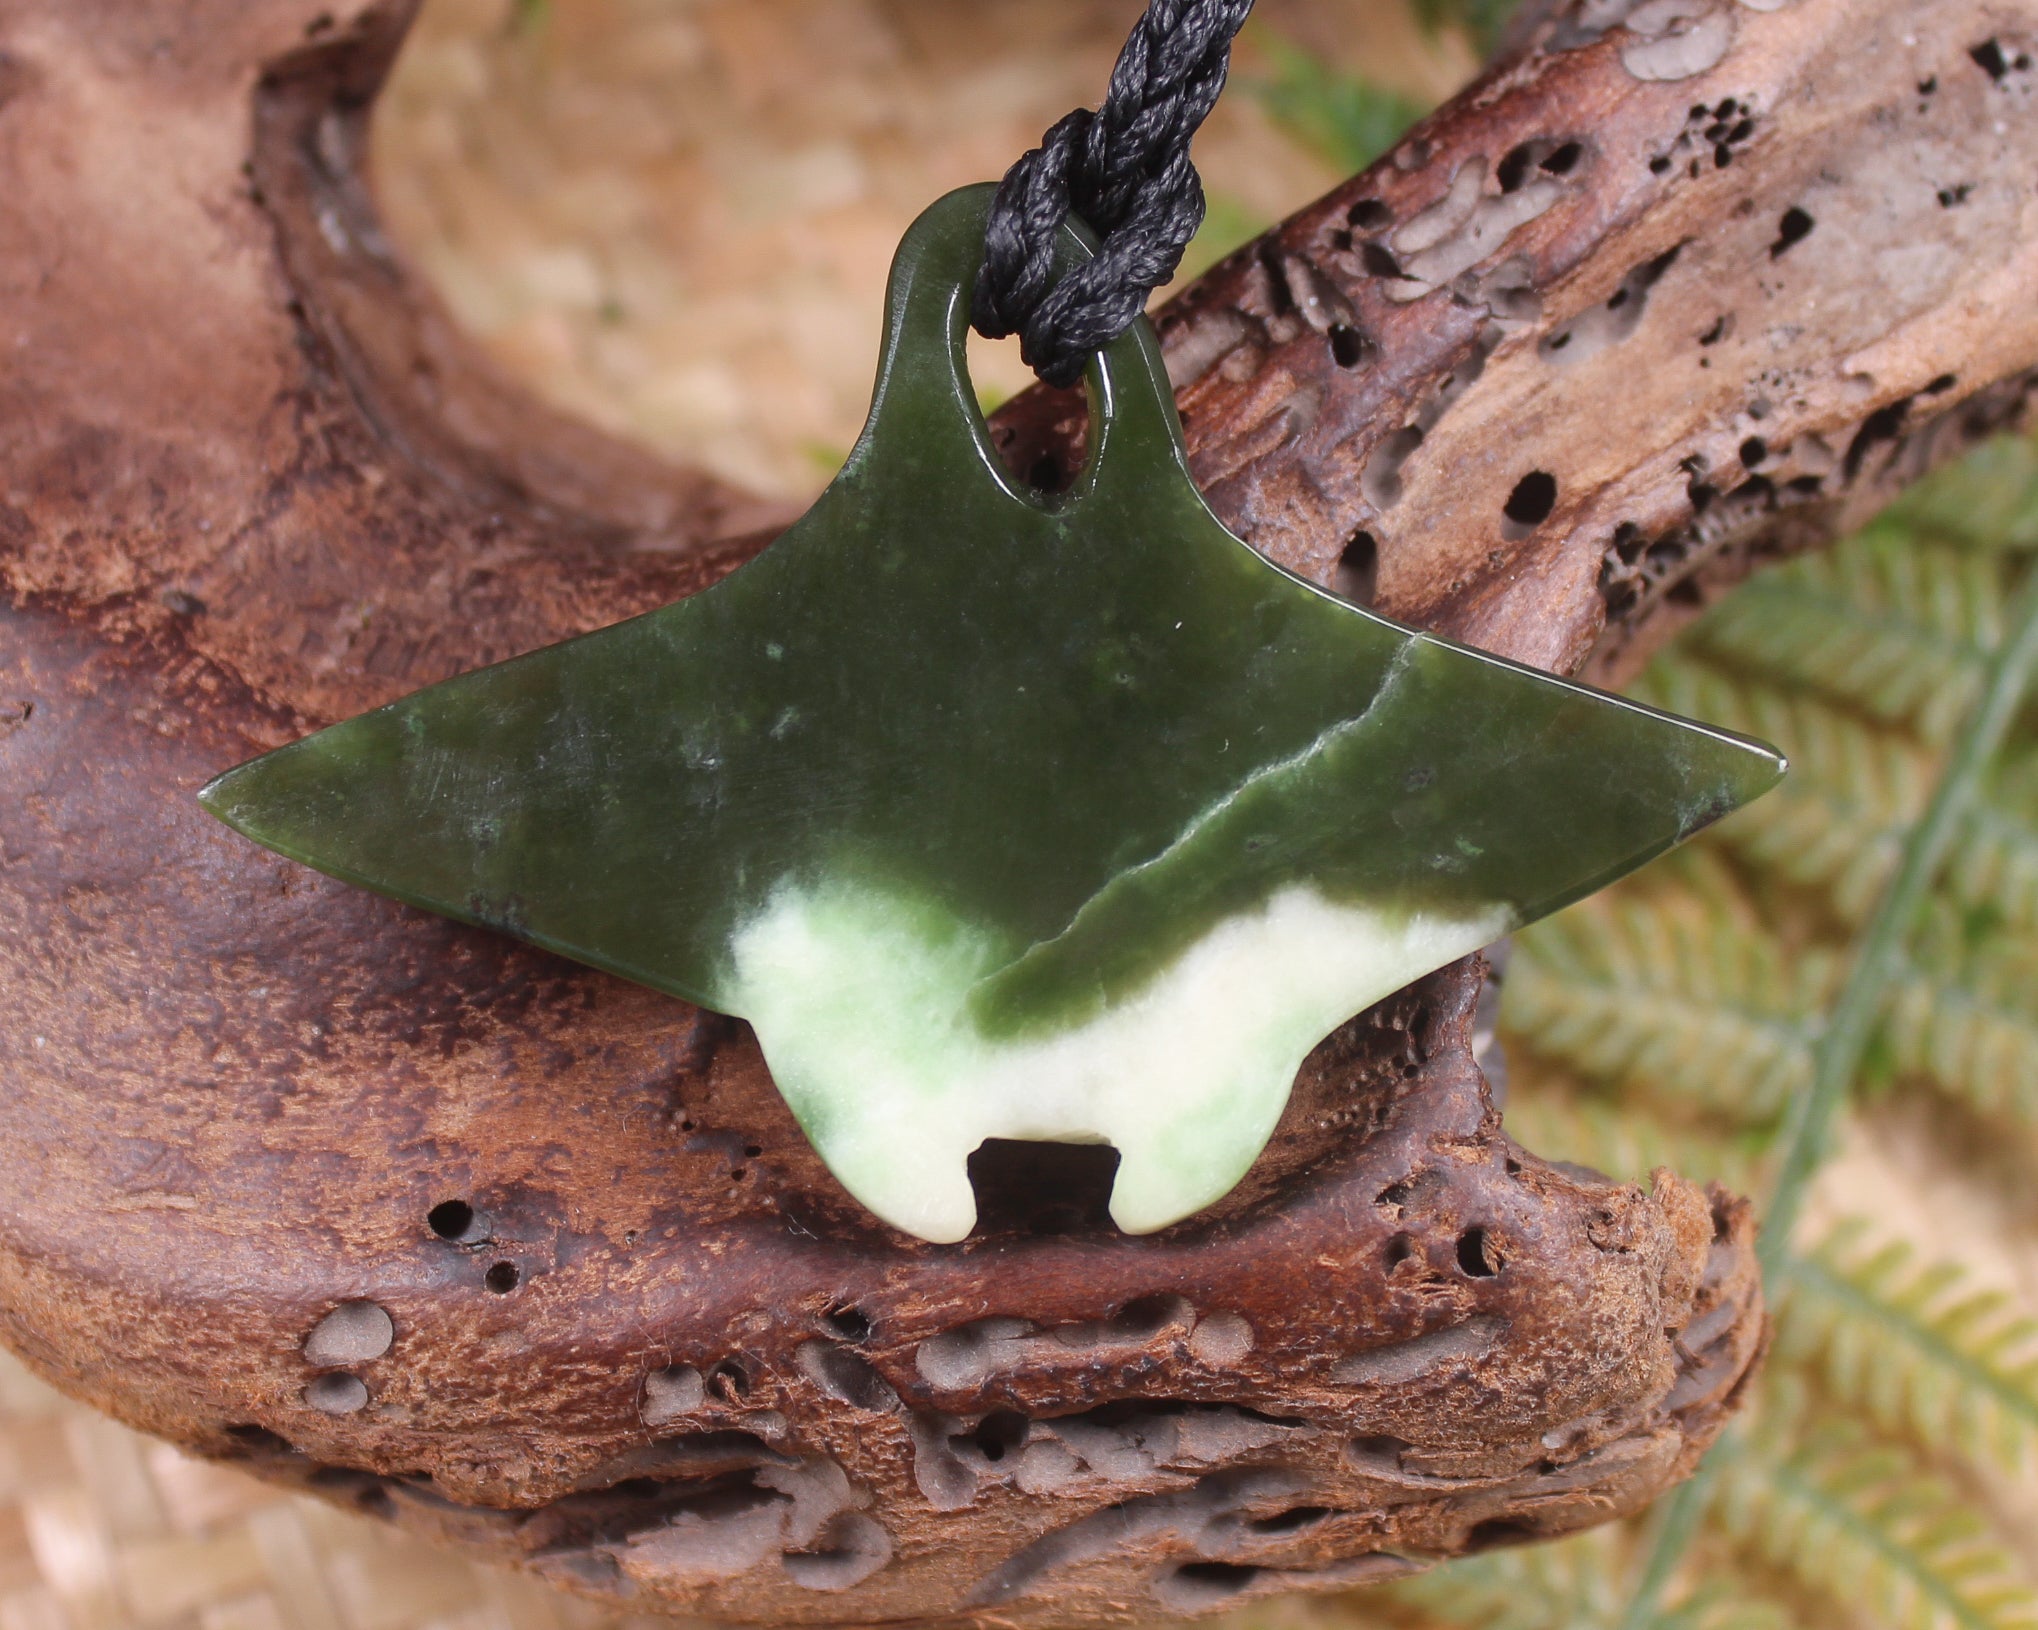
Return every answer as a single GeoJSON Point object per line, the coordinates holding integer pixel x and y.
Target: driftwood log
{"type": "Point", "coordinates": [507, 1250]}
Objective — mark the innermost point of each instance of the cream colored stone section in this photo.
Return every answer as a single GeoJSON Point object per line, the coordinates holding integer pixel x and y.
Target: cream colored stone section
{"type": "Point", "coordinates": [861, 1002]}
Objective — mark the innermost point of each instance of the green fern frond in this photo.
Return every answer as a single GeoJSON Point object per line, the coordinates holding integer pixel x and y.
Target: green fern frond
{"type": "Point", "coordinates": [1898, 628]}
{"type": "Point", "coordinates": [1682, 681]}
{"type": "Point", "coordinates": [1836, 824]}
{"type": "Point", "coordinates": [1913, 1345]}
{"type": "Point", "coordinates": [1985, 1056]}
{"type": "Point", "coordinates": [1683, 1005]}
{"type": "Point", "coordinates": [2014, 785]}
{"type": "Point", "coordinates": [1702, 872]}
{"type": "Point", "coordinates": [1874, 1532]}
{"type": "Point", "coordinates": [1988, 501]}
{"type": "Point", "coordinates": [1718, 1605]}
{"type": "Point", "coordinates": [1610, 1136]}
{"type": "Point", "coordinates": [1569, 1584]}
{"type": "Point", "coordinates": [1960, 1020]}
{"type": "Point", "coordinates": [1824, 836]}
{"type": "Point", "coordinates": [1877, 772]}
{"type": "Point", "coordinates": [1994, 863]}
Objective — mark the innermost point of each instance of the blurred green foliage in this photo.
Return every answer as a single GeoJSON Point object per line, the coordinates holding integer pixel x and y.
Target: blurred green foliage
{"type": "Point", "coordinates": [1345, 119]}
{"type": "Point", "coordinates": [1349, 119]}
{"type": "Point", "coordinates": [1482, 21]}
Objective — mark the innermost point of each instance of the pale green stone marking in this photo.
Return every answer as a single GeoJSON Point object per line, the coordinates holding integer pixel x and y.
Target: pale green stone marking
{"type": "Point", "coordinates": [861, 1004]}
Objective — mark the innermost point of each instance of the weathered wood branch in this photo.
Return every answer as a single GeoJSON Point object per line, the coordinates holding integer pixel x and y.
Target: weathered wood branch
{"type": "Point", "coordinates": [1726, 274]}
{"type": "Point", "coordinates": [1729, 275]}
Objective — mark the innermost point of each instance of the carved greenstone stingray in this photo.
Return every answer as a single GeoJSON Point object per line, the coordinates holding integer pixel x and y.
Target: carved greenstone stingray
{"type": "Point", "coordinates": [1000, 814]}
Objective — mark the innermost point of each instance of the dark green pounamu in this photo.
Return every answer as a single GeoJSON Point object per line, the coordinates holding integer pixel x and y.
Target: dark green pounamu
{"type": "Point", "coordinates": [1000, 814]}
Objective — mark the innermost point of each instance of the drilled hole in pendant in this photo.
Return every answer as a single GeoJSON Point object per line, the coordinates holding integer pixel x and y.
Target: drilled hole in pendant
{"type": "Point", "coordinates": [1045, 449]}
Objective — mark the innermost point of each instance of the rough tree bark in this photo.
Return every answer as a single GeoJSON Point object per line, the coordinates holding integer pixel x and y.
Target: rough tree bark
{"type": "Point", "coordinates": [507, 1250]}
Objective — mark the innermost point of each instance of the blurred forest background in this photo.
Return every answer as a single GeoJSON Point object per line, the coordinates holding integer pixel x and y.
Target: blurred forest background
{"type": "Point", "coordinates": [674, 217]}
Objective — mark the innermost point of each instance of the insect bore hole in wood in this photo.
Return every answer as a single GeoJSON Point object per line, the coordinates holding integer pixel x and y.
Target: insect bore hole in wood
{"type": "Point", "coordinates": [1795, 226]}
{"type": "Point", "coordinates": [850, 1323]}
{"type": "Point", "coordinates": [1349, 348]}
{"type": "Point", "coordinates": [337, 1394]}
{"type": "Point", "coordinates": [1291, 1521]}
{"type": "Point", "coordinates": [1356, 577]}
{"type": "Point", "coordinates": [455, 1221]}
{"type": "Point", "coordinates": [1218, 1577]}
{"type": "Point", "coordinates": [1476, 1254]}
{"type": "Point", "coordinates": [1529, 505]}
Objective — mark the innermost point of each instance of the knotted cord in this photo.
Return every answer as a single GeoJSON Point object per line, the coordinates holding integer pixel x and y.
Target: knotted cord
{"type": "Point", "coordinates": [1124, 171]}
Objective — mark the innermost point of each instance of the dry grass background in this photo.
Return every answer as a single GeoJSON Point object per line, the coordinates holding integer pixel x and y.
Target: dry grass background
{"type": "Point", "coordinates": [674, 218]}
{"type": "Point", "coordinates": [103, 1529]}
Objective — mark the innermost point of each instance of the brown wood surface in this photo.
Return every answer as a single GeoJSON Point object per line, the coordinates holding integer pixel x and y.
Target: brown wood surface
{"type": "Point", "coordinates": [250, 481]}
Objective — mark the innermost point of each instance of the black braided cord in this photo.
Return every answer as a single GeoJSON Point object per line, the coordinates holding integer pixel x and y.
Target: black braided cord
{"type": "Point", "coordinates": [1124, 171]}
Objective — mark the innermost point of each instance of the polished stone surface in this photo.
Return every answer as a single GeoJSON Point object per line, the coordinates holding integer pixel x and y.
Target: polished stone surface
{"type": "Point", "coordinates": [999, 814]}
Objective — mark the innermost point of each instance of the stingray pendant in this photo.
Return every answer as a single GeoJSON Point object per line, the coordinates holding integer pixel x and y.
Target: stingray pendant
{"type": "Point", "coordinates": [1002, 815]}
